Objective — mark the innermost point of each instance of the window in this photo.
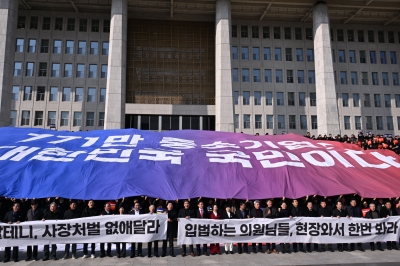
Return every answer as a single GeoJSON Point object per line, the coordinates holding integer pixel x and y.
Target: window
{"type": "Point", "coordinates": [379, 123]}
{"type": "Point", "coordinates": [268, 98]}
{"type": "Point", "coordinates": [77, 119]}
{"type": "Point", "coordinates": [288, 33]}
{"type": "Point", "coordinates": [343, 77]}
{"type": "Point", "coordinates": [266, 33]}
{"type": "Point", "coordinates": [391, 36]}
{"type": "Point", "coordinates": [90, 119]}
{"type": "Point", "coordinates": [67, 70]}
{"type": "Point", "coordinates": [381, 36]}
{"type": "Point", "coordinates": [342, 56]}
{"type": "Point", "coordinates": [246, 121]}
{"type": "Point", "coordinates": [95, 25]}
{"type": "Point", "coordinates": [360, 34]}
{"type": "Point", "coordinates": [289, 76]}
{"type": "Point", "coordinates": [256, 53]}
{"type": "Point", "coordinates": [368, 124]}
{"type": "Point", "coordinates": [377, 100]}
{"type": "Point", "coordinates": [91, 98]}
{"type": "Point", "coordinates": [42, 69]}
{"type": "Point", "coordinates": [235, 75]}
{"type": "Point", "coordinates": [288, 52]}
{"type": "Point", "coordinates": [94, 48]}
{"type": "Point", "coordinates": [81, 47]}
{"type": "Point", "coordinates": [372, 56]}
{"type": "Point", "coordinates": [395, 77]}
{"type": "Point", "coordinates": [15, 93]}
{"type": "Point", "coordinates": [234, 52]}
{"type": "Point", "coordinates": [102, 95]}
{"type": "Point", "coordinates": [51, 118]}
{"type": "Point", "coordinates": [340, 35]}
{"type": "Point", "coordinates": [356, 100]}
{"type": "Point", "coordinates": [345, 99]}
{"type": "Point", "coordinates": [309, 34]}
{"type": "Point", "coordinates": [66, 94]}
{"type": "Point", "coordinates": [303, 122]}
{"type": "Point", "coordinates": [106, 25]}
{"type": "Point", "coordinates": [257, 98]}
{"type": "Point", "coordinates": [256, 75]}
{"type": "Point", "coordinates": [363, 57]}
{"type": "Point", "coordinates": [55, 70]}
{"type": "Point", "coordinates": [383, 57]}
{"type": "Point", "coordinates": [350, 35]}
{"type": "Point", "coordinates": [27, 93]}
{"type": "Point", "coordinates": [397, 100]}
{"type": "Point", "coordinates": [347, 122]}
{"type": "Point", "coordinates": [270, 122]}
{"type": "Point", "coordinates": [17, 69]}
{"type": "Point", "coordinates": [375, 80]}
{"type": "Point", "coordinates": [83, 25]}
{"type": "Point", "coordinates": [29, 71]}
{"type": "Point", "coordinates": [13, 118]}
{"type": "Point", "coordinates": [277, 33]}
{"type": "Point", "coordinates": [292, 121]}
{"type": "Point", "coordinates": [46, 23]}
{"type": "Point", "coordinates": [279, 76]}
{"type": "Point", "coordinates": [101, 119]}
{"type": "Point", "coordinates": [93, 71]}
{"type": "Point", "coordinates": [300, 76]}
{"type": "Point", "coordinates": [246, 98]}
{"type": "Point", "coordinates": [393, 58]}
{"type": "Point", "coordinates": [388, 102]}
{"type": "Point", "coordinates": [38, 118]}
{"type": "Point", "coordinates": [105, 48]}
{"type": "Point", "coordinates": [80, 70]}
{"type": "Point", "coordinates": [236, 97]}
{"type": "Point", "coordinates": [69, 48]}
{"type": "Point", "coordinates": [311, 76]}
{"type": "Point", "coordinates": [367, 102]}
{"type": "Point", "coordinates": [352, 56]}
{"type": "Point", "coordinates": [57, 47]}
{"type": "Point", "coordinates": [389, 122]}
{"type": "Point", "coordinates": [53, 94]}
{"type": "Point", "coordinates": [333, 56]}
{"type": "Point", "coordinates": [59, 24]}
{"type": "Point", "coordinates": [78, 94]}
{"type": "Point", "coordinates": [44, 46]}
{"type": "Point", "coordinates": [385, 78]}
{"type": "Point", "coordinates": [298, 34]}
{"type": "Point", "coordinates": [34, 23]}
{"type": "Point", "coordinates": [279, 99]}
{"type": "Point", "coordinates": [278, 54]}
{"type": "Point", "coordinates": [104, 69]}
{"type": "Point", "coordinates": [245, 75]}
{"type": "Point", "coordinates": [245, 53]}
{"type": "Point", "coordinates": [40, 94]}
{"type": "Point", "coordinates": [267, 53]}
{"type": "Point", "coordinates": [234, 31]}
{"type": "Point", "coordinates": [299, 54]}
{"type": "Point", "coordinates": [244, 31]}
{"type": "Point", "coordinates": [19, 46]}
{"type": "Point", "coordinates": [302, 99]}
{"type": "Point", "coordinates": [354, 78]}
{"type": "Point", "coordinates": [371, 37]}
{"type": "Point", "coordinates": [310, 55]}
{"type": "Point", "coordinates": [364, 76]}
{"type": "Point", "coordinates": [267, 75]}
{"type": "Point", "coordinates": [357, 122]}
{"type": "Point", "coordinates": [64, 118]}
{"type": "Point", "coordinates": [25, 118]}
{"type": "Point", "coordinates": [255, 33]}
{"type": "Point", "coordinates": [291, 98]}
{"type": "Point", "coordinates": [71, 24]}
{"type": "Point", "coordinates": [314, 122]}
{"type": "Point", "coordinates": [258, 121]}
{"type": "Point", "coordinates": [313, 99]}
{"type": "Point", "coordinates": [32, 46]}
{"type": "Point", "coordinates": [281, 122]}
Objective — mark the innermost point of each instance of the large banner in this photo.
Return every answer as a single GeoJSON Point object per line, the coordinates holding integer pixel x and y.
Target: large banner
{"type": "Point", "coordinates": [97, 229]}
{"type": "Point", "coordinates": [110, 164]}
{"type": "Point", "coordinates": [288, 230]}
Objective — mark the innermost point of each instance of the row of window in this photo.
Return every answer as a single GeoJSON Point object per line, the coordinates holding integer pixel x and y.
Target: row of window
{"type": "Point", "coordinates": [300, 122]}
{"type": "Point", "coordinates": [56, 70]}
{"type": "Point", "coordinates": [64, 119]}
{"type": "Point", "coordinates": [53, 94]}
{"type": "Point", "coordinates": [57, 47]}
{"type": "Point", "coordinates": [59, 24]}
{"type": "Point", "coordinates": [339, 35]}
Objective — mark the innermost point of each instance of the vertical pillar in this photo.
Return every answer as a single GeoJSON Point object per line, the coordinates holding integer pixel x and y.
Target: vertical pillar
{"type": "Point", "coordinates": [116, 76]}
{"type": "Point", "coordinates": [224, 108]}
{"type": "Point", "coordinates": [327, 110]}
{"type": "Point", "coordinates": [8, 21]}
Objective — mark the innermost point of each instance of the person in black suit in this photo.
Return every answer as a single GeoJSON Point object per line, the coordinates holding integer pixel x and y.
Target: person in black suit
{"type": "Point", "coordinates": [387, 211]}
{"type": "Point", "coordinates": [14, 216]}
{"type": "Point", "coordinates": [107, 211]}
{"type": "Point", "coordinates": [270, 212]}
{"type": "Point", "coordinates": [325, 211]}
{"type": "Point", "coordinates": [89, 211]}
{"type": "Point", "coordinates": [242, 213]}
{"type": "Point", "coordinates": [296, 211]}
{"type": "Point", "coordinates": [152, 211]}
{"type": "Point", "coordinates": [353, 211]}
{"type": "Point", "coordinates": [201, 213]}
{"type": "Point", "coordinates": [373, 214]}
{"type": "Point", "coordinates": [72, 213]}
{"type": "Point", "coordinates": [339, 212]}
{"type": "Point", "coordinates": [186, 213]}
{"type": "Point", "coordinates": [136, 211]}
{"type": "Point", "coordinates": [227, 215]}
{"type": "Point", "coordinates": [34, 214]}
{"type": "Point", "coordinates": [52, 214]}
{"type": "Point", "coordinates": [171, 227]}
{"type": "Point", "coordinates": [257, 213]}
{"type": "Point", "coordinates": [310, 212]}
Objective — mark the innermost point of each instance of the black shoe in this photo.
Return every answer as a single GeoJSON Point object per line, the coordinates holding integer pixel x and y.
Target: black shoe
{"type": "Point", "coordinates": [248, 252]}
{"type": "Point", "coordinates": [232, 252]}
{"type": "Point", "coordinates": [172, 255]}
{"type": "Point", "coordinates": [102, 255]}
{"type": "Point", "coordinates": [205, 253]}
{"type": "Point", "coordinates": [295, 250]}
{"type": "Point", "coordinates": [118, 256]}
{"type": "Point", "coordinates": [303, 250]}
{"type": "Point", "coordinates": [331, 250]}
{"type": "Point", "coordinates": [53, 258]}
{"type": "Point", "coordinates": [340, 250]}
{"type": "Point", "coordinates": [309, 250]}
{"type": "Point", "coordinates": [322, 250]}
{"type": "Point", "coordinates": [361, 249]}
{"type": "Point", "coordinates": [35, 259]}
{"type": "Point", "coordinates": [372, 249]}
{"type": "Point", "coordinates": [261, 251]}
{"type": "Point", "coordinates": [198, 253]}
{"type": "Point", "coordinates": [132, 256]}
{"type": "Point", "coordinates": [6, 260]}
{"type": "Point", "coordinates": [45, 259]}
{"type": "Point", "coordinates": [289, 252]}
{"type": "Point", "coordinates": [239, 252]}
{"type": "Point", "coordinates": [28, 259]}
{"type": "Point", "coordinates": [16, 260]}
{"type": "Point", "coordinates": [396, 248]}
{"type": "Point", "coordinates": [163, 255]}
{"type": "Point", "coordinates": [389, 248]}
{"type": "Point", "coordinates": [254, 251]}
{"type": "Point", "coordinates": [319, 250]}
{"type": "Point", "coordinates": [381, 249]}
{"type": "Point", "coordinates": [156, 255]}
{"type": "Point", "coordinates": [283, 251]}
{"type": "Point", "coordinates": [109, 255]}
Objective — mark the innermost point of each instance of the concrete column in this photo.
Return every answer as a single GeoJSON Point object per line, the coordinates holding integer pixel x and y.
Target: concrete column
{"type": "Point", "coordinates": [116, 76]}
{"type": "Point", "coordinates": [327, 110]}
{"type": "Point", "coordinates": [8, 22]}
{"type": "Point", "coordinates": [224, 108]}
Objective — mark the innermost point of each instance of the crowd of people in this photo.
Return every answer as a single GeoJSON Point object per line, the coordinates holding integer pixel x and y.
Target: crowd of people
{"type": "Point", "coordinates": [16, 211]}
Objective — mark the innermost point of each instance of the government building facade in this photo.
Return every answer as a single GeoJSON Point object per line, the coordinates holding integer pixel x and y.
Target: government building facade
{"type": "Point", "coordinates": [256, 66]}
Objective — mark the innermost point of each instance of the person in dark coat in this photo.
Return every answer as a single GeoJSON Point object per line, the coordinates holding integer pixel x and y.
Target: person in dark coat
{"type": "Point", "coordinates": [136, 211]}
{"type": "Point", "coordinates": [242, 213]}
{"type": "Point", "coordinates": [227, 215]}
{"type": "Point", "coordinates": [52, 214]}
{"type": "Point", "coordinates": [325, 211]}
{"type": "Point", "coordinates": [283, 212]}
{"type": "Point", "coordinates": [121, 254]}
{"type": "Point", "coordinates": [89, 211]}
{"type": "Point", "coordinates": [171, 227]}
{"type": "Point", "coordinates": [339, 212]}
{"type": "Point", "coordinates": [186, 213]}
{"type": "Point", "coordinates": [256, 212]}
{"type": "Point", "coordinates": [72, 213]}
{"type": "Point", "coordinates": [354, 211]}
{"type": "Point", "coordinates": [310, 212]}
{"type": "Point", "coordinates": [296, 211]}
{"type": "Point", "coordinates": [201, 213]}
{"type": "Point", "coordinates": [373, 214]}
{"type": "Point", "coordinates": [270, 212]}
{"type": "Point", "coordinates": [387, 211]}
{"type": "Point", "coordinates": [11, 217]}
{"type": "Point", "coordinates": [34, 214]}
{"type": "Point", "coordinates": [152, 211]}
{"type": "Point", "coordinates": [107, 211]}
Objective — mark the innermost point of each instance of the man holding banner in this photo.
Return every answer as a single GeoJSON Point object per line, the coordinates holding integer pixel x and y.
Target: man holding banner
{"type": "Point", "coordinates": [374, 214]}
{"type": "Point", "coordinates": [256, 212]}
{"type": "Point", "coordinates": [34, 214]}
{"type": "Point", "coordinates": [201, 213]}
{"type": "Point", "coordinates": [107, 211]}
{"type": "Point", "coordinates": [172, 220]}
{"type": "Point", "coordinates": [136, 211]}
{"type": "Point", "coordinates": [89, 211]}
{"type": "Point", "coordinates": [186, 213]}
{"type": "Point", "coordinates": [72, 213]}
{"type": "Point", "coordinates": [14, 216]}
{"type": "Point", "coordinates": [242, 213]}
{"type": "Point", "coordinates": [52, 214]}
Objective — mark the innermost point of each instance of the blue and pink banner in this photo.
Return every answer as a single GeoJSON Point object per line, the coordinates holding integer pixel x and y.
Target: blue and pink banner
{"type": "Point", "coordinates": [110, 164]}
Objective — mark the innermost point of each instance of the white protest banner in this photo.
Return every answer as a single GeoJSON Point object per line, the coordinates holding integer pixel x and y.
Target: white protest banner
{"type": "Point", "coordinates": [97, 229]}
{"type": "Point", "coordinates": [286, 230]}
